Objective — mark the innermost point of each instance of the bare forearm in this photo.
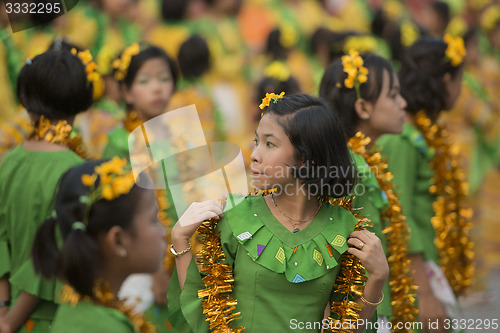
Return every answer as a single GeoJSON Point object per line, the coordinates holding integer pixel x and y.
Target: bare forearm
{"type": "Point", "coordinates": [371, 293]}
{"type": "Point", "coordinates": [21, 311]}
{"type": "Point", "coordinates": [4, 288]}
{"type": "Point", "coordinates": [182, 262]}
{"type": "Point", "coordinates": [419, 275]}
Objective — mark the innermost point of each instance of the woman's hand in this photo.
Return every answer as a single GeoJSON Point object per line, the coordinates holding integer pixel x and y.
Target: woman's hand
{"type": "Point", "coordinates": [368, 248]}
{"type": "Point", "coordinates": [196, 213]}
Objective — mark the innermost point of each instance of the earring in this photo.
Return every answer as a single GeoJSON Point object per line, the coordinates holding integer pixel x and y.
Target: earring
{"type": "Point", "coordinates": [366, 116]}
{"type": "Point", "coordinates": [122, 253]}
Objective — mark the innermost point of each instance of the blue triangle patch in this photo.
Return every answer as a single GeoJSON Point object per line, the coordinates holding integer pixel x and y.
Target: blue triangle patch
{"type": "Point", "coordinates": [260, 248]}
{"type": "Point", "coordinates": [298, 279]}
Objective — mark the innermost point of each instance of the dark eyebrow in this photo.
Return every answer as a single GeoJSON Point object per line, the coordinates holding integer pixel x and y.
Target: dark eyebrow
{"type": "Point", "coordinates": [266, 135]}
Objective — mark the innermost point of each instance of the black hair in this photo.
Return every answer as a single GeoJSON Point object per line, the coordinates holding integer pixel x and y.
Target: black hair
{"type": "Point", "coordinates": [269, 85]}
{"type": "Point", "coordinates": [320, 37]}
{"type": "Point", "coordinates": [337, 41]}
{"type": "Point", "coordinates": [79, 258]}
{"type": "Point", "coordinates": [343, 99]}
{"type": "Point", "coordinates": [421, 76]}
{"type": "Point", "coordinates": [318, 138]}
{"type": "Point", "coordinates": [274, 46]}
{"type": "Point", "coordinates": [174, 10]}
{"type": "Point", "coordinates": [150, 52]}
{"type": "Point", "coordinates": [54, 85]}
{"type": "Point", "coordinates": [442, 9]}
{"type": "Point", "coordinates": [194, 57]}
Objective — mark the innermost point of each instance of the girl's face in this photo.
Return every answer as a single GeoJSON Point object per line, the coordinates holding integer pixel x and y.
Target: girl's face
{"type": "Point", "coordinates": [453, 88]}
{"type": "Point", "coordinates": [116, 8]}
{"type": "Point", "coordinates": [272, 153]}
{"type": "Point", "coordinates": [388, 112]}
{"type": "Point", "coordinates": [151, 89]}
{"type": "Point", "coordinates": [147, 240]}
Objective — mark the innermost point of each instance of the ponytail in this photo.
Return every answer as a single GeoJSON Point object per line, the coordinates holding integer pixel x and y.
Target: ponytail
{"type": "Point", "coordinates": [79, 261]}
{"type": "Point", "coordinates": [45, 254]}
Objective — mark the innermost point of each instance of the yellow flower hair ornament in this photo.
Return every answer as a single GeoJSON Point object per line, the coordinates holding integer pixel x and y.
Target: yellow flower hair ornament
{"type": "Point", "coordinates": [356, 72]}
{"type": "Point", "coordinates": [270, 96]}
{"type": "Point", "coordinates": [90, 66]}
{"type": "Point", "coordinates": [122, 63]}
{"type": "Point", "coordinates": [278, 70]}
{"type": "Point", "coordinates": [455, 52]}
{"type": "Point", "coordinates": [115, 180]}
{"type": "Point", "coordinates": [490, 17]}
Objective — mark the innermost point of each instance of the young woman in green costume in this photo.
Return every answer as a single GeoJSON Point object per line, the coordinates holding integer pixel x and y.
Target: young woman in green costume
{"type": "Point", "coordinates": [107, 234]}
{"type": "Point", "coordinates": [53, 87]}
{"type": "Point", "coordinates": [377, 110]}
{"type": "Point", "coordinates": [431, 78]}
{"type": "Point", "coordinates": [285, 248]}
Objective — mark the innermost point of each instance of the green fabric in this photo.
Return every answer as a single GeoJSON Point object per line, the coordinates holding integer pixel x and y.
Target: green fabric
{"type": "Point", "coordinates": [28, 182]}
{"type": "Point", "coordinates": [409, 158]}
{"type": "Point", "coordinates": [267, 297]}
{"type": "Point", "coordinates": [117, 144]}
{"type": "Point", "coordinates": [87, 317]}
{"type": "Point", "coordinates": [373, 202]}
{"type": "Point", "coordinates": [158, 315]}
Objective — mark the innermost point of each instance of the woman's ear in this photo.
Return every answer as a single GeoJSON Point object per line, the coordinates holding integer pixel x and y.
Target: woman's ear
{"type": "Point", "coordinates": [363, 108]}
{"type": "Point", "coordinates": [118, 242]}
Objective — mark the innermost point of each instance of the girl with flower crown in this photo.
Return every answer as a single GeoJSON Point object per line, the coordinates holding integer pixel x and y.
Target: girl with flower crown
{"type": "Point", "coordinates": [53, 87]}
{"type": "Point", "coordinates": [430, 184]}
{"type": "Point", "coordinates": [369, 107]}
{"type": "Point", "coordinates": [280, 261]}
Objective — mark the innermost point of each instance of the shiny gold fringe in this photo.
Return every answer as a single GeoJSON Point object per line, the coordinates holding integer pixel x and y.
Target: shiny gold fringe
{"type": "Point", "coordinates": [163, 206]}
{"type": "Point", "coordinates": [58, 134]}
{"type": "Point", "coordinates": [131, 121]}
{"type": "Point", "coordinates": [104, 296]}
{"type": "Point", "coordinates": [350, 280]}
{"type": "Point", "coordinates": [218, 304]}
{"type": "Point", "coordinates": [397, 236]}
{"type": "Point", "coordinates": [452, 217]}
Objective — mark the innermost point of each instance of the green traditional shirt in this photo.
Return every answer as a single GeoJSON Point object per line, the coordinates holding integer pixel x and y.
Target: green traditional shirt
{"type": "Point", "coordinates": [281, 279]}
{"type": "Point", "coordinates": [87, 317]}
{"type": "Point", "coordinates": [28, 185]}
{"type": "Point", "coordinates": [409, 158]}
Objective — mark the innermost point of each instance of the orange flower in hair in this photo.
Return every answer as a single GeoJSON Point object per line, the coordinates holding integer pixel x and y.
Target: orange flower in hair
{"type": "Point", "coordinates": [455, 51]}
{"type": "Point", "coordinates": [269, 97]}
{"type": "Point", "coordinates": [90, 66]}
{"type": "Point", "coordinates": [356, 72]}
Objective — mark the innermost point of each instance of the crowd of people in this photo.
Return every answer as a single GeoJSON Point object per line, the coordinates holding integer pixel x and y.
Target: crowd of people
{"type": "Point", "coordinates": [374, 165]}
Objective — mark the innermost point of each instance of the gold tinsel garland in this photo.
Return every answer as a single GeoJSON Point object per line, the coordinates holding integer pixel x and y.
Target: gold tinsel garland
{"type": "Point", "coordinates": [350, 280]}
{"type": "Point", "coordinates": [163, 206]}
{"type": "Point", "coordinates": [104, 296]}
{"type": "Point", "coordinates": [131, 121]}
{"type": "Point", "coordinates": [219, 305]}
{"type": "Point", "coordinates": [57, 134]}
{"type": "Point", "coordinates": [452, 217]}
{"type": "Point", "coordinates": [397, 236]}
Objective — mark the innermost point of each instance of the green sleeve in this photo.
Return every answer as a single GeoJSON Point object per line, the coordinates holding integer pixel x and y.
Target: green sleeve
{"type": "Point", "coordinates": [4, 249]}
{"type": "Point", "coordinates": [185, 311]}
{"type": "Point", "coordinates": [403, 161]}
